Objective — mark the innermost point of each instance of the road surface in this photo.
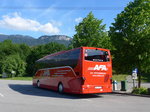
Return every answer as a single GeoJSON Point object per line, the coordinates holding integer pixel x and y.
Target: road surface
{"type": "Point", "coordinates": [21, 96]}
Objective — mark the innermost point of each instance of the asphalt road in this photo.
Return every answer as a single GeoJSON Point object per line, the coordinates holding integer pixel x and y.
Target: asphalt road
{"type": "Point", "coordinates": [21, 96]}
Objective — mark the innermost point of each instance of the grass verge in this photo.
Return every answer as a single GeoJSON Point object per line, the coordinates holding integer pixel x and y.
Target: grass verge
{"type": "Point", "coordinates": [18, 78]}
{"type": "Point", "coordinates": [119, 77]}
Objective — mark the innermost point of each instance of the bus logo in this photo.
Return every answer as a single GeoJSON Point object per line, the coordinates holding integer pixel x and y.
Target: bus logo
{"type": "Point", "coordinates": [98, 67]}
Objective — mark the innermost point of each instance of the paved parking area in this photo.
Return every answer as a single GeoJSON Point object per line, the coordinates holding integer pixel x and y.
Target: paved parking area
{"type": "Point", "coordinates": [21, 96]}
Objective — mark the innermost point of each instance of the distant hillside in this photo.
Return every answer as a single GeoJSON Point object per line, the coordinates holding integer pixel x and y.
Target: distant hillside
{"type": "Point", "coordinates": [55, 38]}
{"type": "Point", "coordinates": [62, 39]}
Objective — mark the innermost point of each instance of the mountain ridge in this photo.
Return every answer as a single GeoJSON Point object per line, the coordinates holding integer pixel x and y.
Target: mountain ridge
{"type": "Point", "coordinates": [31, 41]}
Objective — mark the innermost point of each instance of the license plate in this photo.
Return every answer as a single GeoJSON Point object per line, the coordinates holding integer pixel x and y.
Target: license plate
{"type": "Point", "coordinates": [98, 87]}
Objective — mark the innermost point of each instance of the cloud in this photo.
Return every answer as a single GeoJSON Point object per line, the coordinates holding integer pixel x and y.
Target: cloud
{"type": "Point", "coordinates": [56, 23]}
{"type": "Point", "coordinates": [16, 22]}
{"type": "Point", "coordinates": [78, 19]}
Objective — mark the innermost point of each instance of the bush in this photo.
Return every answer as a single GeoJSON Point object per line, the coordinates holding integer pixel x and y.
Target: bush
{"type": "Point", "coordinates": [141, 90]}
{"type": "Point", "coordinates": [13, 63]}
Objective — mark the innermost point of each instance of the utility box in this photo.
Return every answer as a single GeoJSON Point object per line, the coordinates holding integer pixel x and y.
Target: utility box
{"type": "Point", "coordinates": [124, 85]}
{"type": "Point", "coordinates": [115, 85]}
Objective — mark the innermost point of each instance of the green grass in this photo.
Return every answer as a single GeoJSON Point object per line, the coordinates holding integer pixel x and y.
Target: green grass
{"type": "Point", "coordinates": [18, 78]}
{"type": "Point", "coordinates": [119, 77]}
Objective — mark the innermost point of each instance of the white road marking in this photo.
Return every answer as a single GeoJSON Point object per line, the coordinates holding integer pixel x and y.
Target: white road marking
{"type": "Point", "coordinates": [1, 95]}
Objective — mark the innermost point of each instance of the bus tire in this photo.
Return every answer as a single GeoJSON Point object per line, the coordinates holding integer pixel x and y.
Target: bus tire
{"type": "Point", "coordinates": [38, 84]}
{"type": "Point", "coordinates": [60, 88]}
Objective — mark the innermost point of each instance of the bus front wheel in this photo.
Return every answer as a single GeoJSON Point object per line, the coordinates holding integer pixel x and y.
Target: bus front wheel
{"type": "Point", "coordinates": [60, 88]}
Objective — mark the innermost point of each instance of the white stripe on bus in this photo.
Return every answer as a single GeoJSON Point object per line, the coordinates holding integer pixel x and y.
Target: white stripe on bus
{"type": "Point", "coordinates": [58, 68]}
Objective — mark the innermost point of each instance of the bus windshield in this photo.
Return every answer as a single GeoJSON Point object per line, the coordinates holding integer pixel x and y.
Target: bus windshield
{"type": "Point", "coordinates": [96, 55]}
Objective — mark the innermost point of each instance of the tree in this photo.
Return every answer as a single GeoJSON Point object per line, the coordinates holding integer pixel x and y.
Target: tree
{"type": "Point", "coordinates": [13, 63]}
{"type": "Point", "coordinates": [8, 49]}
{"type": "Point", "coordinates": [130, 35]}
{"type": "Point", "coordinates": [24, 51]}
{"type": "Point", "coordinates": [91, 33]}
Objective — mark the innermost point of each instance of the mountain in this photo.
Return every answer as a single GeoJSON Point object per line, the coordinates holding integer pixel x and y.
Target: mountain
{"type": "Point", "coordinates": [3, 37]}
{"type": "Point", "coordinates": [31, 41]}
{"type": "Point", "coordinates": [62, 39]}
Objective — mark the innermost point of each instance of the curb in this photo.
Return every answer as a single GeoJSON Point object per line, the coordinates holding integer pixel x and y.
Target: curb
{"type": "Point", "coordinates": [130, 94]}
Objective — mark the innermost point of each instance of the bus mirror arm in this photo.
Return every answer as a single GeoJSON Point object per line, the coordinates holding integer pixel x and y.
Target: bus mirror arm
{"type": "Point", "coordinates": [83, 78]}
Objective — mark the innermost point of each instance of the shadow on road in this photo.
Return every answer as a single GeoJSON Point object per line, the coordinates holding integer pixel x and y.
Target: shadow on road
{"type": "Point", "coordinates": [30, 90]}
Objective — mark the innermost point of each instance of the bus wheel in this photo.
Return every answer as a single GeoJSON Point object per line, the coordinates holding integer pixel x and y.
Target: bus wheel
{"type": "Point", "coordinates": [38, 84]}
{"type": "Point", "coordinates": [60, 88]}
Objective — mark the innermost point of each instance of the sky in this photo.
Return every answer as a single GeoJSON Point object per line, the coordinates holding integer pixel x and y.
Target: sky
{"type": "Point", "coordinates": [54, 17]}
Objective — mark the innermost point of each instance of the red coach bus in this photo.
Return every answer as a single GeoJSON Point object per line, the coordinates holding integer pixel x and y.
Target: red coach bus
{"type": "Point", "coordinates": [81, 70]}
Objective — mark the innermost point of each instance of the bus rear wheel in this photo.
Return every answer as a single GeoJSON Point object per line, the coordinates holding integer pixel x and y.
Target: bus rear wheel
{"type": "Point", "coordinates": [60, 88]}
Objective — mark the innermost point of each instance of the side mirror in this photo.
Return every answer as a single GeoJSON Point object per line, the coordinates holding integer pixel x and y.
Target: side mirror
{"type": "Point", "coordinates": [106, 53]}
